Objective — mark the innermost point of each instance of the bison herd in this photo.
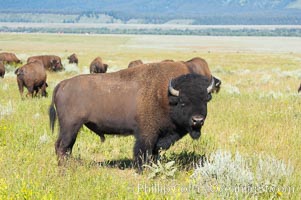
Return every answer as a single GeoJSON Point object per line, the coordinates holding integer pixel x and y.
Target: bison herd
{"type": "Point", "coordinates": [32, 75]}
{"type": "Point", "coordinates": [158, 111]}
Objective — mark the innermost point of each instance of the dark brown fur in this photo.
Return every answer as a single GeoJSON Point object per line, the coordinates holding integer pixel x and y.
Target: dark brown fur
{"type": "Point", "coordinates": [9, 58]}
{"type": "Point", "coordinates": [135, 63]}
{"type": "Point", "coordinates": [50, 62]}
{"type": "Point", "coordinates": [33, 76]}
{"type": "Point", "coordinates": [73, 58]}
{"type": "Point", "coordinates": [97, 66]}
{"type": "Point", "coordinates": [123, 102]}
{"type": "Point", "coordinates": [2, 69]}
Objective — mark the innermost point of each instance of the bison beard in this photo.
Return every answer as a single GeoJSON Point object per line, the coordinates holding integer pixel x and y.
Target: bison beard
{"type": "Point", "coordinates": [155, 112]}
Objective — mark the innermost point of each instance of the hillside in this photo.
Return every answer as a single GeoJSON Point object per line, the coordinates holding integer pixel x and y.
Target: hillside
{"type": "Point", "coordinates": [157, 11]}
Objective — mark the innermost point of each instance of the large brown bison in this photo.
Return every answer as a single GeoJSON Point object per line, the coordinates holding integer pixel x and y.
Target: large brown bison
{"type": "Point", "coordinates": [135, 63]}
{"type": "Point", "coordinates": [9, 58]}
{"type": "Point", "coordinates": [50, 62]}
{"type": "Point", "coordinates": [97, 66]}
{"type": "Point", "coordinates": [2, 69]}
{"type": "Point", "coordinates": [73, 59]}
{"type": "Point", "coordinates": [33, 76]}
{"type": "Point", "coordinates": [157, 111]}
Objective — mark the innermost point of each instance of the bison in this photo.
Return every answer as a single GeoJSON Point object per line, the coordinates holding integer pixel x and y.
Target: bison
{"type": "Point", "coordinates": [97, 66]}
{"type": "Point", "coordinates": [9, 58]}
{"type": "Point", "coordinates": [33, 76]}
{"type": "Point", "coordinates": [73, 59]}
{"type": "Point", "coordinates": [135, 63]}
{"type": "Point", "coordinates": [2, 69]}
{"type": "Point", "coordinates": [157, 111]}
{"type": "Point", "coordinates": [168, 60]}
{"type": "Point", "coordinates": [50, 62]}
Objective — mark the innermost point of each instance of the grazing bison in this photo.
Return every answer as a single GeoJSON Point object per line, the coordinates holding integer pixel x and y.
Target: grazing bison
{"type": "Point", "coordinates": [97, 66]}
{"type": "Point", "coordinates": [50, 62]}
{"type": "Point", "coordinates": [9, 58]}
{"type": "Point", "coordinates": [167, 60]}
{"type": "Point", "coordinates": [200, 66]}
{"type": "Point", "coordinates": [157, 111]}
{"type": "Point", "coordinates": [2, 69]}
{"type": "Point", "coordinates": [299, 90]}
{"type": "Point", "coordinates": [135, 63]}
{"type": "Point", "coordinates": [33, 76]}
{"type": "Point", "coordinates": [73, 59]}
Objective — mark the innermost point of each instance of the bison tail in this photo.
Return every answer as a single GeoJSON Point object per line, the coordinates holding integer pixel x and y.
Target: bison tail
{"type": "Point", "coordinates": [52, 111]}
{"type": "Point", "coordinates": [52, 116]}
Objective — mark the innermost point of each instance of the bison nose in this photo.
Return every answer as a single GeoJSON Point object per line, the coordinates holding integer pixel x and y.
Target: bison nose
{"type": "Point", "coordinates": [197, 120]}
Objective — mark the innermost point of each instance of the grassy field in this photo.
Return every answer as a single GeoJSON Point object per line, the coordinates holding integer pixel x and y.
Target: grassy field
{"type": "Point", "coordinates": [251, 138]}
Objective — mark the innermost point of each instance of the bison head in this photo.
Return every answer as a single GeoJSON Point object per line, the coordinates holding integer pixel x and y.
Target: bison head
{"type": "Point", "coordinates": [56, 65]}
{"type": "Point", "coordinates": [188, 97]}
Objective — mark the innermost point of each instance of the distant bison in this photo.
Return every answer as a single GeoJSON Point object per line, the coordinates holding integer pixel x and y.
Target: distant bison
{"type": "Point", "coordinates": [157, 111]}
{"type": "Point", "coordinates": [9, 58]}
{"type": "Point", "coordinates": [50, 62]}
{"type": "Point", "coordinates": [97, 66]}
{"type": "Point", "coordinates": [299, 90]}
{"type": "Point", "coordinates": [135, 63]}
{"type": "Point", "coordinates": [33, 76]}
{"type": "Point", "coordinates": [167, 60]}
{"type": "Point", "coordinates": [73, 59]}
{"type": "Point", "coordinates": [200, 66]}
{"type": "Point", "coordinates": [2, 69]}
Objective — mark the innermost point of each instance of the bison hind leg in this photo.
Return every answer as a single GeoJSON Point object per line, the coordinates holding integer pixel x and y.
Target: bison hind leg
{"type": "Point", "coordinates": [66, 140]}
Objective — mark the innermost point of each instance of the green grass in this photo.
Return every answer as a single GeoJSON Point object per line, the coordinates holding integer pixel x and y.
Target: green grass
{"type": "Point", "coordinates": [257, 112]}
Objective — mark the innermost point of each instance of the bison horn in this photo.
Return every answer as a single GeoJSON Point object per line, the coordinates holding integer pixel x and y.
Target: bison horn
{"type": "Point", "coordinates": [211, 86]}
{"type": "Point", "coordinates": [173, 91]}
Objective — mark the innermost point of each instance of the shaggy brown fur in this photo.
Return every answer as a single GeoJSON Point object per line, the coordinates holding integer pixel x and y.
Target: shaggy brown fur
{"type": "Point", "coordinates": [135, 63]}
{"type": "Point", "coordinates": [33, 76]}
{"type": "Point", "coordinates": [97, 66]}
{"type": "Point", "coordinates": [50, 62]}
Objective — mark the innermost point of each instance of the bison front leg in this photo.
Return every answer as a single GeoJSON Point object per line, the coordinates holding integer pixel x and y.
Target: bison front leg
{"type": "Point", "coordinates": [143, 150]}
